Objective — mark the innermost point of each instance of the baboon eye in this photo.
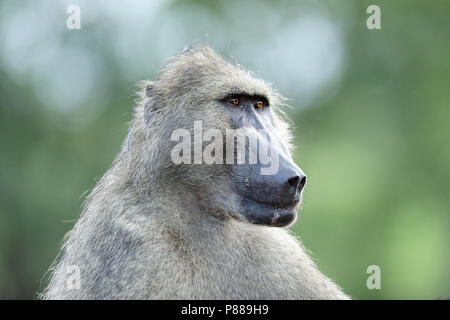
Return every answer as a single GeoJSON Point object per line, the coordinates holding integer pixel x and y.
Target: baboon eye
{"type": "Point", "coordinates": [234, 101]}
{"type": "Point", "coordinates": [259, 104]}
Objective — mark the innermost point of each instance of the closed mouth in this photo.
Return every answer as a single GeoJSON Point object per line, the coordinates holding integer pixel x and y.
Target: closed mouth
{"type": "Point", "coordinates": [278, 205]}
{"type": "Point", "coordinates": [269, 214]}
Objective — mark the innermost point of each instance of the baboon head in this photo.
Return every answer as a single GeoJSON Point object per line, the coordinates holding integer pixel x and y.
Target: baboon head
{"type": "Point", "coordinates": [214, 136]}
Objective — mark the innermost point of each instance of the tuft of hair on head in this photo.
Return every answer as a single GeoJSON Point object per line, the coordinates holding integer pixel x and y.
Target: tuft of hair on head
{"type": "Point", "coordinates": [199, 74]}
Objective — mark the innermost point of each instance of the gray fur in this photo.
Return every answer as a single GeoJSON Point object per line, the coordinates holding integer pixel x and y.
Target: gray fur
{"type": "Point", "coordinates": [153, 230]}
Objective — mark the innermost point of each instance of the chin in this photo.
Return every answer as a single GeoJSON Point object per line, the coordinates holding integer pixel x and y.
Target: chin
{"type": "Point", "coordinates": [273, 215]}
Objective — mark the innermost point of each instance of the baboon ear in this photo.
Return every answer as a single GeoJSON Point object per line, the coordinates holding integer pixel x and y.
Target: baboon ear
{"type": "Point", "coordinates": [150, 94]}
{"type": "Point", "coordinates": [150, 102]}
{"type": "Point", "coordinates": [148, 89]}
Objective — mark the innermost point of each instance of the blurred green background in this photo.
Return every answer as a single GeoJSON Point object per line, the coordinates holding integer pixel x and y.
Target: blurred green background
{"type": "Point", "coordinates": [371, 109]}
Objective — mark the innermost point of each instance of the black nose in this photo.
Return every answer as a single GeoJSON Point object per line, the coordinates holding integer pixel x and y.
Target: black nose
{"type": "Point", "coordinates": [297, 182]}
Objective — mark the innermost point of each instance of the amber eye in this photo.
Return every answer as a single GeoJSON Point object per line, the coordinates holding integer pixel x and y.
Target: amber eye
{"type": "Point", "coordinates": [259, 104]}
{"type": "Point", "coordinates": [234, 101]}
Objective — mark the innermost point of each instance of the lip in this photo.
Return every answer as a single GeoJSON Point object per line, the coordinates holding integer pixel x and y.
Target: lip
{"type": "Point", "coordinates": [269, 214]}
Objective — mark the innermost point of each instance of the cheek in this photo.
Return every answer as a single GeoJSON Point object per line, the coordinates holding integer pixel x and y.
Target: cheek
{"type": "Point", "coordinates": [235, 118]}
{"type": "Point", "coordinates": [213, 115]}
{"type": "Point", "coordinates": [212, 183]}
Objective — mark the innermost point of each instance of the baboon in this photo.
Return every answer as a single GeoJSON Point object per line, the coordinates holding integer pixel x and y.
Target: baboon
{"type": "Point", "coordinates": [153, 229]}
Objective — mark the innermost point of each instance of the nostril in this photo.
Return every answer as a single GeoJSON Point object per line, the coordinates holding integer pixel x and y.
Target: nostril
{"type": "Point", "coordinates": [302, 183]}
{"type": "Point", "coordinates": [294, 181]}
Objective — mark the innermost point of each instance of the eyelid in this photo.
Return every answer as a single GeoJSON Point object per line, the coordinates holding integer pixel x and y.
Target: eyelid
{"type": "Point", "coordinates": [255, 98]}
{"type": "Point", "coordinates": [234, 100]}
{"type": "Point", "coordinates": [263, 100]}
{"type": "Point", "coordinates": [264, 103]}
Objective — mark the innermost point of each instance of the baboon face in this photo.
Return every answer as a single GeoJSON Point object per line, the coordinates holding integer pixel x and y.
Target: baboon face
{"type": "Point", "coordinates": [243, 167]}
{"type": "Point", "coordinates": [267, 182]}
